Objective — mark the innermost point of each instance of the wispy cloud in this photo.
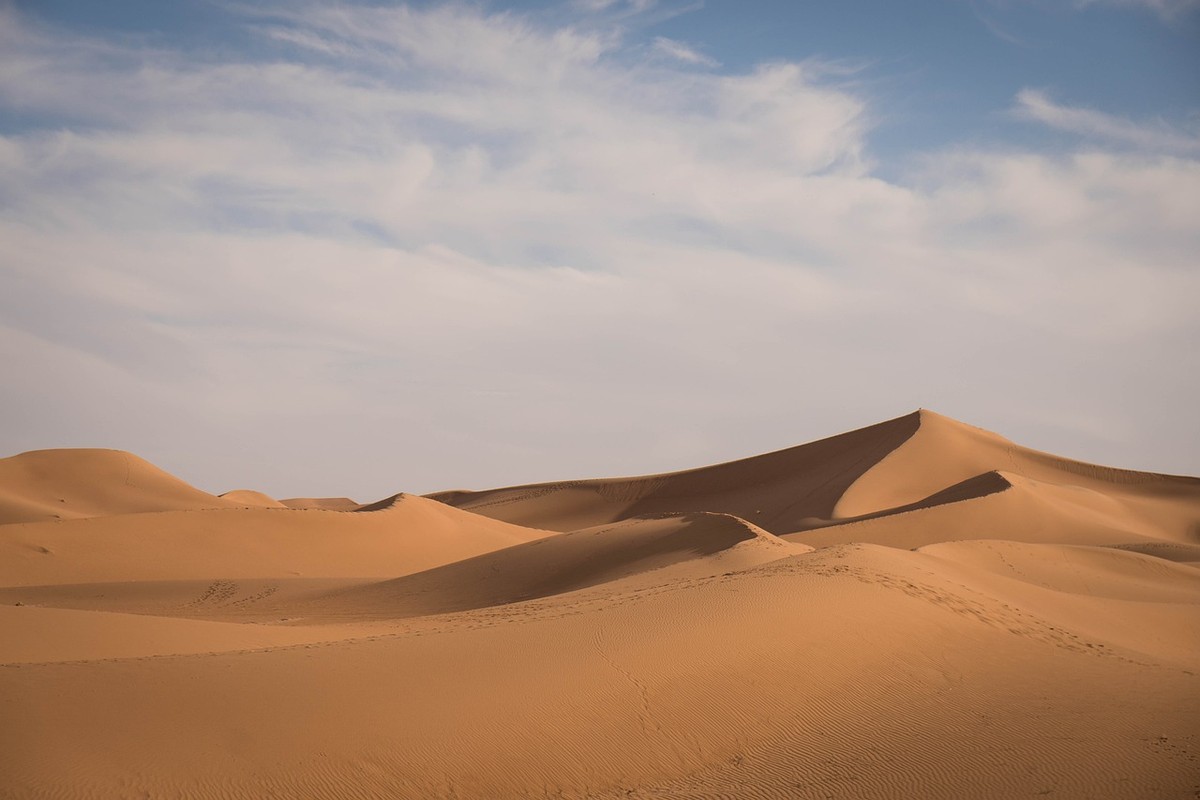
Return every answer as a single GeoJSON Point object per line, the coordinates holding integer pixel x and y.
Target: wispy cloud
{"type": "Point", "coordinates": [1168, 9]}
{"type": "Point", "coordinates": [1154, 136]}
{"type": "Point", "coordinates": [682, 52]}
{"type": "Point", "coordinates": [455, 235]}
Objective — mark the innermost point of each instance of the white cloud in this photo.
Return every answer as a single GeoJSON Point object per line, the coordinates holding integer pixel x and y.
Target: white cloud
{"type": "Point", "coordinates": [465, 248]}
{"type": "Point", "coordinates": [1155, 136]}
{"type": "Point", "coordinates": [682, 52]}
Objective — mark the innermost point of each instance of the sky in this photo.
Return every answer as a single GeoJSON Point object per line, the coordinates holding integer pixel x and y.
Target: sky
{"type": "Point", "coordinates": [360, 248]}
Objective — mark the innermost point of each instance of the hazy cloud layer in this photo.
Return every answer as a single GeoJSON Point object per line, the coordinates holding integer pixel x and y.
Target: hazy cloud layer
{"type": "Point", "coordinates": [412, 249]}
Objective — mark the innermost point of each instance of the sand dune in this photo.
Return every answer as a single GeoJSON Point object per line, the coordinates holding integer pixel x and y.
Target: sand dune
{"type": "Point", "coordinates": [69, 484]}
{"type": "Point", "coordinates": [777, 491]}
{"type": "Point", "coordinates": [249, 497]}
{"type": "Point", "coordinates": [656, 550]}
{"type": "Point", "coordinates": [249, 543]}
{"type": "Point", "coordinates": [922, 459]}
{"type": "Point", "coordinates": [855, 670]}
{"type": "Point", "coordinates": [914, 609]}
{"type": "Point", "coordinates": [321, 503]}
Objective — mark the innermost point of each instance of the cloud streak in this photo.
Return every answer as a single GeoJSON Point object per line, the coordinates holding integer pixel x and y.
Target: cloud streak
{"type": "Point", "coordinates": [1168, 9]}
{"type": "Point", "coordinates": [1154, 137]}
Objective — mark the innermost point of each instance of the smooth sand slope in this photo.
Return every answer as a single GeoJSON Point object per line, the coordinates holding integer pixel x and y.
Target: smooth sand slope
{"type": "Point", "coordinates": [914, 609]}
{"type": "Point", "coordinates": [409, 535]}
{"type": "Point", "coordinates": [69, 484]}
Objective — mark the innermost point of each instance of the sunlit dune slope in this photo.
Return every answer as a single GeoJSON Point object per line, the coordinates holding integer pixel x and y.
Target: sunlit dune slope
{"type": "Point", "coordinates": [671, 547]}
{"type": "Point", "coordinates": [1022, 509]}
{"type": "Point", "coordinates": [856, 671]}
{"type": "Point", "coordinates": [69, 484]}
{"type": "Point", "coordinates": [412, 535]}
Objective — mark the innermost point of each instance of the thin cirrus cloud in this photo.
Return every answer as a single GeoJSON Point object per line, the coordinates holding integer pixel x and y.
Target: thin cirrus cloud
{"type": "Point", "coordinates": [1156, 137]}
{"type": "Point", "coordinates": [681, 52]}
{"type": "Point", "coordinates": [1168, 9]}
{"type": "Point", "coordinates": [421, 248]}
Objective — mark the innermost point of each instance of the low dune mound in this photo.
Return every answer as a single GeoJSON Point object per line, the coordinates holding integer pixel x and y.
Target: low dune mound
{"type": "Point", "coordinates": [1180, 552]}
{"type": "Point", "coordinates": [252, 499]}
{"type": "Point", "coordinates": [414, 535]}
{"type": "Point", "coordinates": [1104, 572]}
{"type": "Point", "coordinates": [692, 545]}
{"type": "Point", "coordinates": [74, 483]}
{"type": "Point", "coordinates": [321, 503]}
{"type": "Point", "coordinates": [41, 635]}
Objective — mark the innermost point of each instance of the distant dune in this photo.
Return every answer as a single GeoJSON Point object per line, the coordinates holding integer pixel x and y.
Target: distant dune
{"type": "Point", "coordinates": [69, 484]}
{"type": "Point", "coordinates": [321, 503]}
{"type": "Point", "coordinates": [918, 608]}
{"type": "Point", "coordinates": [249, 497]}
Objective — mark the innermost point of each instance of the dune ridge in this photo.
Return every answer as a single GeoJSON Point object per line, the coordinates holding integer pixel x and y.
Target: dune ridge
{"type": "Point", "coordinates": [910, 463]}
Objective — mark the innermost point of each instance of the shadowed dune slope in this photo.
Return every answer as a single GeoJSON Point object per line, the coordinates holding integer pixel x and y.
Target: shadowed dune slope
{"type": "Point", "coordinates": [74, 483]}
{"type": "Point", "coordinates": [412, 535]}
{"type": "Point", "coordinates": [776, 491]}
{"type": "Point", "coordinates": [671, 547]}
{"type": "Point", "coordinates": [920, 461]}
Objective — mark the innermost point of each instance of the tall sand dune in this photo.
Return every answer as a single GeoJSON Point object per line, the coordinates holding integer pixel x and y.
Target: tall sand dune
{"type": "Point", "coordinates": [916, 462]}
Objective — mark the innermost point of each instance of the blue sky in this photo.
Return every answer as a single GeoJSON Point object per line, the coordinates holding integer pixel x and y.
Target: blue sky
{"type": "Point", "coordinates": [360, 248]}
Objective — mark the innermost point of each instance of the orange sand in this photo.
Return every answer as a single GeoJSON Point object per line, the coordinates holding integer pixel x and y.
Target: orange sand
{"type": "Point", "coordinates": [915, 609]}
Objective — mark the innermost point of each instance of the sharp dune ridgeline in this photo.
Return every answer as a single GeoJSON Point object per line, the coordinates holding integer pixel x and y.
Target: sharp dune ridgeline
{"type": "Point", "coordinates": [918, 608]}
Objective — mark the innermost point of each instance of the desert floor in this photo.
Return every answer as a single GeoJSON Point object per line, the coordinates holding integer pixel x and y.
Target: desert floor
{"type": "Point", "coordinates": [919, 608]}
